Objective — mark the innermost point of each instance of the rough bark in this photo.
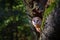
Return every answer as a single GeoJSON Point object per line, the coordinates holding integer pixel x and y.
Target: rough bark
{"type": "Point", "coordinates": [52, 26]}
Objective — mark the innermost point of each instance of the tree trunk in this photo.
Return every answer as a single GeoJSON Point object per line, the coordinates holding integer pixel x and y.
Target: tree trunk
{"type": "Point", "coordinates": [52, 26]}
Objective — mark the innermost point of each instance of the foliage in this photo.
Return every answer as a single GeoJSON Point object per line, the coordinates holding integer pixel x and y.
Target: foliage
{"type": "Point", "coordinates": [13, 20]}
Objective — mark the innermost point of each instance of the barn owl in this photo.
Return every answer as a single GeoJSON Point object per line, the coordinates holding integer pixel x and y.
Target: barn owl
{"type": "Point", "coordinates": [36, 21]}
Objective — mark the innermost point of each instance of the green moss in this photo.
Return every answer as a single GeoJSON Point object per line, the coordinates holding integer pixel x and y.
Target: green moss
{"type": "Point", "coordinates": [46, 13]}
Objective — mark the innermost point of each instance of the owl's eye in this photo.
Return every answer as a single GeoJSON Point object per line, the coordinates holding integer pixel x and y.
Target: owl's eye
{"type": "Point", "coordinates": [34, 20]}
{"type": "Point", "coordinates": [37, 20]}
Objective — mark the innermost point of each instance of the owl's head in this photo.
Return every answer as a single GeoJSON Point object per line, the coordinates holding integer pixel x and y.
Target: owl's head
{"type": "Point", "coordinates": [36, 21]}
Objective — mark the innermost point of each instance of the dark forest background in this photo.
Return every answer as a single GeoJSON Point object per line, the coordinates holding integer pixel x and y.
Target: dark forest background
{"type": "Point", "coordinates": [14, 23]}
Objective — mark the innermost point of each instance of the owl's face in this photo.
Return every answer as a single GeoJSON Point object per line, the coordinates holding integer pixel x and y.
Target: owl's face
{"type": "Point", "coordinates": [36, 21]}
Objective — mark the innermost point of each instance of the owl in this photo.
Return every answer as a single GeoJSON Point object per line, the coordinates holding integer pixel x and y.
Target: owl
{"type": "Point", "coordinates": [36, 21]}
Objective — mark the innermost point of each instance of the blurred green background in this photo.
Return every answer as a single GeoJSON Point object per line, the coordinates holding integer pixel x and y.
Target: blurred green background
{"type": "Point", "coordinates": [14, 23]}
